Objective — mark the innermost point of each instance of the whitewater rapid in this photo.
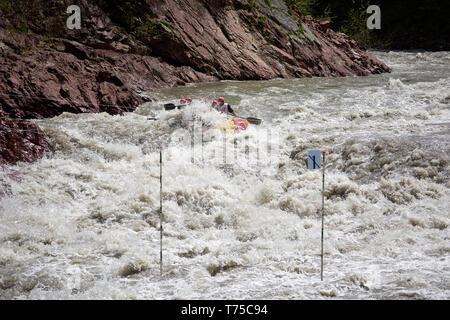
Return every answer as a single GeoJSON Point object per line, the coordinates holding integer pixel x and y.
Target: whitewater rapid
{"type": "Point", "coordinates": [241, 210]}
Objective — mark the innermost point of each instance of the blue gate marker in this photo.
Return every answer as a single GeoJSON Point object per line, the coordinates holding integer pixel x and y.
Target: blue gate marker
{"type": "Point", "coordinates": [313, 159]}
{"type": "Point", "coordinates": [314, 164]}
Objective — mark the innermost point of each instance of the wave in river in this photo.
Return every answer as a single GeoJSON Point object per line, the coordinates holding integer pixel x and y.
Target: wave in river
{"type": "Point", "coordinates": [241, 210]}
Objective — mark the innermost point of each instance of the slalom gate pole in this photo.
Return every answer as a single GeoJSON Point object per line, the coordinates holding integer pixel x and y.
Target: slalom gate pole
{"type": "Point", "coordinates": [203, 159]}
{"type": "Point", "coordinates": [323, 213]}
{"type": "Point", "coordinates": [160, 212]}
{"type": "Point", "coordinates": [192, 140]}
{"type": "Point", "coordinates": [224, 148]}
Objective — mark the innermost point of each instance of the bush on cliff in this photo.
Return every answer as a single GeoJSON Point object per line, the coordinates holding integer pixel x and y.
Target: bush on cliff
{"type": "Point", "coordinates": [414, 24]}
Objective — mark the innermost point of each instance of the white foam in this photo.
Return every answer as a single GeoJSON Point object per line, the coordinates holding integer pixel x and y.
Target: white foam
{"type": "Point", "coordinates": [83, 223]}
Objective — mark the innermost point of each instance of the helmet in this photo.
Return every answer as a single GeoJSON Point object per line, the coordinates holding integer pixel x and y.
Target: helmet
{"type": "Point", "coordinates": [221, 99]}
{"type": "Point", "coordinates": [214, 102]}
{"type": "Point", "coordinates": [182, 101]}
{"type": "Point", "coordinates": [189, 99]}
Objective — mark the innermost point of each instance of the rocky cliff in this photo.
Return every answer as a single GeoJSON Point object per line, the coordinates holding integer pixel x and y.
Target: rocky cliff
{"type": "Point", "coordinates": [127, 47]}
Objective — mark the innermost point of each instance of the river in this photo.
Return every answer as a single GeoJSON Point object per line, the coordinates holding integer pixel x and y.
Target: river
{"type": "Point", "coordinates": [241, 211]}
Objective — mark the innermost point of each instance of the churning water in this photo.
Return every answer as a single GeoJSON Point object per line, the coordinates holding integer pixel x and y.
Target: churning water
{"type": "Point", "coordinates": [241, 210]}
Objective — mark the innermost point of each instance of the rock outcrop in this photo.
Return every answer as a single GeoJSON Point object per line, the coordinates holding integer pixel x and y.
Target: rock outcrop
{"type": "Point", "coordinates": [40, 80]}
{"type": "Point", "coordinates": [47, 69]}
{"type": "Point", "coordinates": [252, 40]}
{"type": "Point", "coordinates": [21, 140]}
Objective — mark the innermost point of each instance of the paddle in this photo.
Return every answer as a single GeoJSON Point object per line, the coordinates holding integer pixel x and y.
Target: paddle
{"type": "Point", "coordinates": [169, 106]}
{"type": "Point", "coordinates": [252, 120]}
{"type": "Point", "coordinates": [255, 121]}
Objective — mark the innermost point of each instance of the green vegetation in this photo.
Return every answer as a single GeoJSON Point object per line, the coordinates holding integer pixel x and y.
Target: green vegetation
{"type": "Point", "coordinates": [37, 16]}
{"type": "Point", "coordinates": [154, 29]}
{"type": "Point", "coordinates": [5, 5]}
{"type": "Point", "coordinates": [306, 6]}
{"type": "Point", "coordinates": [149, 28]}
{"type": "Point", "coordinates": [355, 25]}
{"type": "Point", "coordinates": [135, 17]}
{"type": "Point", "coordinates": [268, 3]}
{"type": "Point", "coordinates": [22, 28]}
{"type": "Point", "coordinates": [47, 40]}
{"type": "Point", "coordinates": [260, 25]}
{"type": "Point", "coordinates": [412, 24]}
{"type": "Point", "coordinates": [130, 14]}
{"type": "Point", "coordinates": [347, 16]}
{"type": "Point", "coordinates": [261, 20]}
{"type": "Point", "coordinates": [300, 31]}
{"type": "Point", "coordinates": [419, 24]}
{"type": "Point", "coordinates": [251, 5]}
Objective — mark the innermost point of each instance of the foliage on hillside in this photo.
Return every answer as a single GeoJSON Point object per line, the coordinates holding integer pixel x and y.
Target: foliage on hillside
{"type": "Point", "coordinates": [413, 24]}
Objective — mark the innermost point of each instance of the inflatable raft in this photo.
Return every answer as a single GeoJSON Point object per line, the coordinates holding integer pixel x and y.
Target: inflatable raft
{"type": "Point", "coordinates": [234, 126]}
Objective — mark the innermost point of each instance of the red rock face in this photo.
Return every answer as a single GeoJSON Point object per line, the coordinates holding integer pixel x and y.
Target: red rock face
{"type": "Point", "coordinates": [21, 140]}
{"type": "Point", "coordinates": [232, 41]}
{"type": "Point", "coordinates": [102, 68]}
{"type": "Point", "coordinates": [41, 81]}
{"type": "Point", "coordinates": [44, 81]}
